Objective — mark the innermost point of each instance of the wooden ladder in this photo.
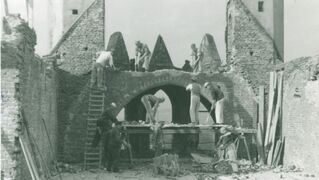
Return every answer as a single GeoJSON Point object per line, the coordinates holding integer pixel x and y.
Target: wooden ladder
{"type": "Point", "coordinates": [93, 156]}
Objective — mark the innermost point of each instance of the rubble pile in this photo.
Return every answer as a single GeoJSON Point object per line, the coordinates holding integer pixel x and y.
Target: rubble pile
{"type": "Point", "coordinates": [167, 164]}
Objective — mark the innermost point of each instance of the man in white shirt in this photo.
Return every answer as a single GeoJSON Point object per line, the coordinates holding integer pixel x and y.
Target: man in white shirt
{"type": "Point", "coordinates": [103, 62]}
{"type": "Point", "coordinates": [195, 90]}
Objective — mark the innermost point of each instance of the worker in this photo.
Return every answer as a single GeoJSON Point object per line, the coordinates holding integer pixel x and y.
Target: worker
{"type": "Point", "coordinates": [226, 145]}
{"type": "Point", "coordinates": [132, 64]}
{"type": "Point", "coordinates": [217, 101]}
{"type": "Point", "coordinates": [138, 54]}
{"type": "Point", "coordinates": [187, 67]}
{"type": "Point", "coordinates": [195, 89]}
{"type": "Point", "coordinates": [103, 61]}
{"type": "Point", "coordinates": [157, 139]}
{"type": "Point", "coordinates": [143, 56]}
{"type": "Point", "coordinates": [151, 104]}
{"type": "Point", "coordinates": [197, 56]}
{"type": "Point", "coordinates": [109, 131]}
{"type": "Point", "coordinates": [194, 53]}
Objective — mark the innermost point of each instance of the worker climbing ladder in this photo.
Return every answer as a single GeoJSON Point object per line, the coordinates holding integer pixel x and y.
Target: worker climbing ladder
{"type": "Point", "coordinates": [93, 156]}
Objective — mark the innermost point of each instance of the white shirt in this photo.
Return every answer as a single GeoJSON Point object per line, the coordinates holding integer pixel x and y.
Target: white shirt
{"type": "Point", "coordinates": [105, 58]}
{"type": "Point", "coordinates": [194, 88]}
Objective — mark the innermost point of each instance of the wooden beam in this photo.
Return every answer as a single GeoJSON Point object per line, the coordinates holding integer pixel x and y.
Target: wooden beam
{"type": "Point", "coordinates": [261, 110]}
{"type": "Point", "coordinates": [279, 156]}
{"type": "Point", "coordinates": [28, 157]}
{"type": "Point", "coordinates": [270, 108]}
{"type": "Point", "coordinates": [259, 143]}
{"type": "Point", "coordinates": [273, 128]}
{"type": "Point", "coordinates": [278, 144]}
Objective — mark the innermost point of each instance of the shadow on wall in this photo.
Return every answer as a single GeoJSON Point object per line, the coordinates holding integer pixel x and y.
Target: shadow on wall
{"type": "Point", "coordinates": [72, 106]}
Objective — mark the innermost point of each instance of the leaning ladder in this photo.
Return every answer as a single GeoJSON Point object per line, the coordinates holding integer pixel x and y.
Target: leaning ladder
{"type": "Point", "coordinates": [93, 156]}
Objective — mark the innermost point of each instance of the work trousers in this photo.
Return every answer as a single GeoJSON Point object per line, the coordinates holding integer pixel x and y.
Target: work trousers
{"type": "Point", "coordinates": [113, 156]}
{"type": "Point", "coordinates": [219, 111]}
{"type": "Point", "coordinates": [112, 148]}
{"type": "Point", "coordinates": [194, 107]}
{"type": "Point", "coordinates": [150, 112]}
{"type": "Point", "coordinates": [97, 77]}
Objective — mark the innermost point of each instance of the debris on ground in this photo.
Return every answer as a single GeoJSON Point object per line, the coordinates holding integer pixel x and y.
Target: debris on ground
{"type": "Point", "coordinates": [64, 167]}
{"type": "Point", "coordinates": [206, 177]}
{"type": "Point", "coordinates": [167, 164]}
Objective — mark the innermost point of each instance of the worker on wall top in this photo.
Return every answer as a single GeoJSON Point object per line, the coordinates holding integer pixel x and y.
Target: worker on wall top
{"type": "Point", "coordinates": [103, 61]}
{"type": "Point", "coordinates": [143, 56]}
{"type": "Point", "coordinates": [197, 57]}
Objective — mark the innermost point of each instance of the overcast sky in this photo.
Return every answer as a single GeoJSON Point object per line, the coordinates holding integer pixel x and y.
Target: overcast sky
{"type": "Point", "coordinates": [180, 22]}
{"type": "Point", "coordinates": [301, 28]}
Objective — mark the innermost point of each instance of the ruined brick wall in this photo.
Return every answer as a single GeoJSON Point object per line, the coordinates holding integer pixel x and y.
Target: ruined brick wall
{"type": "Point", "coordinates": [250, 50]}
{"type": "Point", "coordinates": [79, 43]}
{"type": "Point", "coordinates": [28, 92]}
{"type": "Point", "coordinates": [300, 115]}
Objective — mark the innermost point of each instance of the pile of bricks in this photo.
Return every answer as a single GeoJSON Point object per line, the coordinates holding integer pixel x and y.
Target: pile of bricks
{"type": "Point", "coordinates": [167, 164]}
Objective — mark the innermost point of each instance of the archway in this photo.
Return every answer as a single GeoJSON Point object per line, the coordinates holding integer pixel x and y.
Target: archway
{"type": "Point", "coordinates": [177, 103]}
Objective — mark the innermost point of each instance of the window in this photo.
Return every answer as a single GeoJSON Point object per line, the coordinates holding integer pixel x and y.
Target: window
{"type": "Point", "coordinates": [260, 6]}
{"type": "Point", "coordinates": [75, 11]}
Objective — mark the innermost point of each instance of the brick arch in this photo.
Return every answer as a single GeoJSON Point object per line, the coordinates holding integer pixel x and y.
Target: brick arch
{"type": "Point", "coordinates": [125, 86]}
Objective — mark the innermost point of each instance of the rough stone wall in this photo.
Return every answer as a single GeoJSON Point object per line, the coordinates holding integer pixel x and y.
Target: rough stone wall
{"type": "Point", "coordinates": [28, 92]}
{"type": "Point", "coordinates": [300, 115]}
{"type": "Point", "coordinates": [250, 50]}
{"type": "Point", "coordinates": [79, 43]}
{"type": "Point", "coordinates": [84, 38]}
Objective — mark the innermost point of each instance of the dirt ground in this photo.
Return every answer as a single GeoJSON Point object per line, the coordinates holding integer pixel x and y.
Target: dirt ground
{"type": "Point", "coordinates": [143, 171]}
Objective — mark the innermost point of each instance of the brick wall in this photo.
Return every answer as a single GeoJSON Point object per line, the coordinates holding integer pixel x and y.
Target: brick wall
{"type": "Point", "coordinates": [300, 115]}
{"type": "Point", "coordinates": [80, 43]}
{"type": "Point", "coordinates": [250, 50]}
{"type": "Point", "coordinates": [28, 92]}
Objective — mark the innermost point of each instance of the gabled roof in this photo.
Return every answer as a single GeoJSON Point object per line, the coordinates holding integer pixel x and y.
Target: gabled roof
{"type": "Point", "coordinates": [72, 28]}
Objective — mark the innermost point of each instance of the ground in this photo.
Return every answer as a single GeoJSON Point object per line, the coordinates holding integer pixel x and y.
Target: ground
{"type": "Point", "coordinates": [143, 171]}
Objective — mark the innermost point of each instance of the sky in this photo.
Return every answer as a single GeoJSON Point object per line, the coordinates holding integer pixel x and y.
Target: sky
{"type": "Point", "coordinates": [301, 28]}
{"type": "Point", "coordinates": [179, 22]}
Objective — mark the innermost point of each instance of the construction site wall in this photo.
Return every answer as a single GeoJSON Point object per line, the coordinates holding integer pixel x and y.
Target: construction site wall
{"type": "Point", "coordinates": [29, 95]}
{"type": "Point", "coordinates": [78, 47]}
{"type": "Point", "coordinates": [300, 114]}
{"type": "Point", "coordinates": [250, 49]}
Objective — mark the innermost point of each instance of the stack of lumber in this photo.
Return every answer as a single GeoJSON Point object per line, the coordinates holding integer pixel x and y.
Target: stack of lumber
{"type": "Point", "coordinates": [269, 142]}
{"type": "Point", "coordinates": [167, 164]}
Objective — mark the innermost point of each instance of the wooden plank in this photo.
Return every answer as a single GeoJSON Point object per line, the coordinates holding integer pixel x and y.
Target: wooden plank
{"type": "Point", "coordinates": [31, 165]}
{"type": "Point", "coordinates": [277, 160]}
{"type": "Point", "coordinates": [276, 151]}
{"type": "Point", "coordinates": [270, 108]}
{"type": "Point", "coordinates": [261, 110]}
{"type": "Point", "coordinates": [259, 143]}
{"type": "Point", "coordinates": [272, 134]}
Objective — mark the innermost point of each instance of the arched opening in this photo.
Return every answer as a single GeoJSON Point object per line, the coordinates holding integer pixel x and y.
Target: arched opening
{"type": "Point", "coordinates": [175, 109]}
